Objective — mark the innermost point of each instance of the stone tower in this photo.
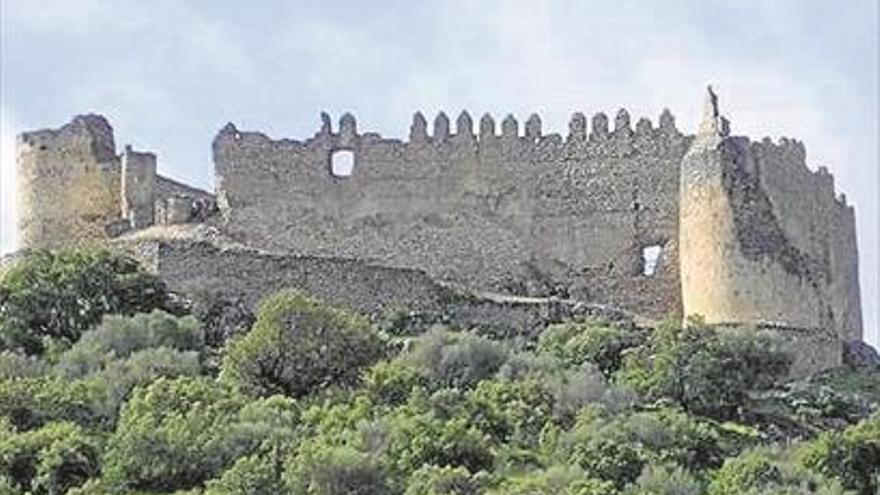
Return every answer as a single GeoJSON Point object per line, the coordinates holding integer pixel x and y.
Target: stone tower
{"type": "Point", "coordinates": [761, 237]}
{"type": "Point", "coordinates": [68, 182]}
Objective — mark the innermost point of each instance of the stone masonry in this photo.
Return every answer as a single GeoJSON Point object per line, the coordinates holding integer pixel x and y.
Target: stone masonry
{"type": "Point", "coordinates": [639, 217]}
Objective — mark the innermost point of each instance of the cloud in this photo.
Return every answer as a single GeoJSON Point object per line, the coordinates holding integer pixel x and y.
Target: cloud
{"type": "Point", "coordinates": [169, 73]}
{"type": "Point", "coordinates": [8, 207]}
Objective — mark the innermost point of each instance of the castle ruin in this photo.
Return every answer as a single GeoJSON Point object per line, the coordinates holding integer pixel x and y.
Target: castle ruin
{"type": "Point", "coordinates": [640, 217]}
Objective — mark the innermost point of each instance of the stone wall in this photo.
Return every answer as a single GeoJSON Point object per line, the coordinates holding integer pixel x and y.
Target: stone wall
{"type": "Point", "coordinates": [202, 271]}
{"type": "Point", "coordinates": [74, 189]}
{"type": "Point", "coordinates": [68, 183]}
{"type": "Point", "coordinates": [520, 213]}
{"type": "Point", "coordinates": [138, 187]}
{"type": "Point", "coordinates": [763, 238]}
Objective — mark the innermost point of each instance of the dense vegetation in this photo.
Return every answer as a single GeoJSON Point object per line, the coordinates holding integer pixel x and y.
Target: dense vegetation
{"type": "Point", "coordinates": [110, 385]}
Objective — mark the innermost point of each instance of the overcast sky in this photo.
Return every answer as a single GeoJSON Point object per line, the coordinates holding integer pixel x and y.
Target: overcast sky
{"type": "Point", "coordinates": [169, 74]}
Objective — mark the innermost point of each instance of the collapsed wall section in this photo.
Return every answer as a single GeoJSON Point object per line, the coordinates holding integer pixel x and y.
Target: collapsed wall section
{"type": "Point", "coordinates": [510, 212]}
{"type": "Point", "coordinates": [763, 238]}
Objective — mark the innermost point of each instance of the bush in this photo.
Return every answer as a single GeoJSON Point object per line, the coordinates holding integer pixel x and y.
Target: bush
{"type": "Point", "coordinates": [118, 337]}
{"type": "Point", "coordinates": [14, 365]}
{"type": "Point", "coordinates": [708, 372]}
{"type": "Point", "coordinates": [60, 294]}
{"type": "Point", "coordinates": [557, 480]}
{"type": "Point", "coordinates": [392, 382]}
{"type": "Point", "coordinates": [619, 448]}
{"type": "Point", "coordinates": [851, 456]}
{"type": "Point", "coordinates": [434, 480]}
{"type": "Point", "coordinates": [30, 403]}
{"type": "Point", "coordinates": [112, 385]}
{"type": "Point", "coordinates": [298, 346]}
{"type": "Point", "coordinates": [457, 359]}
{"type": "Point", "coordinates": [417, 436]}
{"type": "Point", "coordinates": [334, 471]}
{"type": "Point", "coordinates": [766, 471]}
{"type": "Point", "coordinates": [665, 479]}
{"type": "Point", "coordinates": [177, 434]}
{"type": "Point", "coordinates": [580, 342]}
{"type": "Point", "coordinates": [50, 460]}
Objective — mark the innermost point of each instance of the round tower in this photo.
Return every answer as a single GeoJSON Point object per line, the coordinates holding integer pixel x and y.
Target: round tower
{"type": "Point", "coordinates": [68, 183]}
{"type": "Point", "coordinates": [707, 233]}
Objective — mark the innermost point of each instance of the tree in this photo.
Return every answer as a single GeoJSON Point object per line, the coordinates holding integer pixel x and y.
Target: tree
{"type": "Point", "coordinates": [459, 360]}
{"type": "Point", "coordinates": [588, 341]}
{"type": "Point", "coordinates": [434, 480]}
{"type": "Point", "coordinates": [298, 346]}
{"type": "Point", "coordinates": [177, 434]}
{"type": "Point", "coordinates": [60, 294]}
{"type": "Point", "coordinates": [334, 471]}
{"type": "Point", "coordinates": [766, 471]}
{"type": "Point", "coordinates": [851, 456]}
{"type": "Point", "coordinates": [709, 372]}
{"type": "Point", "coordinates": [556, 480]}
{"type": "Point", "coordinates": [48, 460]}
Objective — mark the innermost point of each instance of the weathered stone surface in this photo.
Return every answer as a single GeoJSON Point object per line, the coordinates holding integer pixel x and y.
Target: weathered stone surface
{"type": "Point", "coordinates": [747, 233]}
{"type": "Point", "coordinates": [762, 237]}
{"type": "Point", "coordinates": [859, 354]}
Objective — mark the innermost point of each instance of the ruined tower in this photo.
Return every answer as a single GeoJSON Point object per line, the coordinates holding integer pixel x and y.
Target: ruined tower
{"type": "Point", "coordinates": [74, 189]}
{"type": "Point", "coordinates": [68, 182]}
{"type": "Point", "coordinates": [761, 237]}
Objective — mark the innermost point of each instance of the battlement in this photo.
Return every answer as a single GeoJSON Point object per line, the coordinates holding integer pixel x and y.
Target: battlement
{"type": "Point", "coordinates": [621, 139]}
{"type": "Point", "coordinates": [639, 216]}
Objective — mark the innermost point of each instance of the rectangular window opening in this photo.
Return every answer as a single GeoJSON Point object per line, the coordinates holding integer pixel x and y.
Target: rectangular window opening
{"type": "Point", "coordinates": [650, 259]}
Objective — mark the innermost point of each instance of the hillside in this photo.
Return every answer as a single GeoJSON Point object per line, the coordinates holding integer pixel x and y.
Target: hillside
{"type": "Point", "coordinates": [111, 383]}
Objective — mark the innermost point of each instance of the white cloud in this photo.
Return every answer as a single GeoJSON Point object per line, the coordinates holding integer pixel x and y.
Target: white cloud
{"type": "Point", "coordinates": [170, 73]}
{"type": "Point", "coordinates": [8, 207]}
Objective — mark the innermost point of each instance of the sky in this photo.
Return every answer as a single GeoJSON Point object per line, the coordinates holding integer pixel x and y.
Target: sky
{"type": "Point", "coordinates": [169, 74]}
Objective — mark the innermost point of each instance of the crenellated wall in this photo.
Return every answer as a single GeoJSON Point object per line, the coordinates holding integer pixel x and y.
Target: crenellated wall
{"type": "Point", "coordinates": [516, 211]}
{"type": "Point", "coordinates": [747, 233]}
{"type": "Point", "coordinates": [763, 238]}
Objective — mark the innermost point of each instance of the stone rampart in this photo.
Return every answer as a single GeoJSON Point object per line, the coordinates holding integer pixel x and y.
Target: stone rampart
{"type": "Point", "coordinates": [763, 238]}
{"type": "Point", "coordinates": [520, 213]}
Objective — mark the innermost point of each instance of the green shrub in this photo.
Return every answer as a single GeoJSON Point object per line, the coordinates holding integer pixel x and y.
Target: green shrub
{"type": "Point", "coordinates": [767, 471]}
{"type": "Point", "coordinates": [556, 480]}
{"type": "Point", "coordinates": [48, 460]}
{"type": "Point", "coordinates": [60, 294]}
{"type": "Point", "coordinates": [177, 434]}
{"type": "Point", "coordinates": [665, 479]}
{"type": "Point", "coordinates": [851, 456]}
{"type": "Point", "coordinates": [708, 372]}
{"type": "Point", "coordinates": [434, 480]}
{"type": "Point", "coordinates": [457, 359]}
{"type": "Point", "coordinates": [334, 471]}
{"type": "Point", "coordinates": [118, 337]}
{"type": "Point", "coordinates": [299, 346]}
{"type": "Point", "coordinates": [391, 382]}
{"type": "Point", "coordinates": [14, 365]}
{"type": "Point", "coordinates": [580, 342]}
{"type": "Point", "coordinates": [112, 385]}
{"type": "Point", "coordinates": [29, 403]}
{"type": "Point", "coordinates": [416, 437]}
{"type": "Point", "coordinates": [617, 449]}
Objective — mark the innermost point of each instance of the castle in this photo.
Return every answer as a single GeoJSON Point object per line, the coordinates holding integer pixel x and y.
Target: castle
{"type": "Point", "coordinates": [639, 217]}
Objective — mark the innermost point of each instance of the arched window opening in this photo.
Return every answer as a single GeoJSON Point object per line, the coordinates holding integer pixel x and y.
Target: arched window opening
{"type": "Point", "coordinates": [342, 163]}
